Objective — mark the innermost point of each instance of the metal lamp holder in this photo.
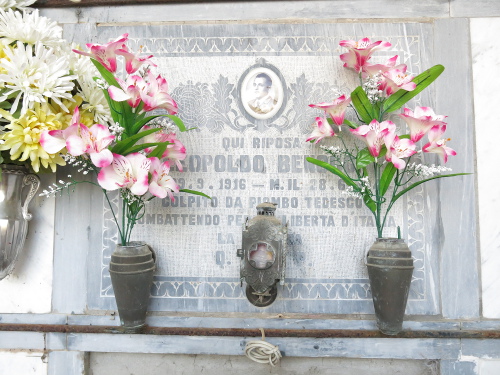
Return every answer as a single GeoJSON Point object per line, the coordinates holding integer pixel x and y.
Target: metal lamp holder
{"type": "Point", "coordinates": [263, 255]}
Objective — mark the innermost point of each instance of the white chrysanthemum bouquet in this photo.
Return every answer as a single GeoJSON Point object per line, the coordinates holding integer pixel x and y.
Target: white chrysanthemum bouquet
{"type": "Point", "coordinates": [41, 84]}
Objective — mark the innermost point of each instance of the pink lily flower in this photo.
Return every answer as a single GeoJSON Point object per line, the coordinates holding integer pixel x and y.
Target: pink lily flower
{"type": "Point", "coordinates": [161, 183]}
{"type": "Point", "coordinates": [159, 136]}
{"type": "Point", "coordinates": [132, 61]}
{"type": "Point", "coordinates": [156, 95]}
{"type": "Point", "coordinates": [53, 141]}
{"type": "Point", "coordinates": [94, 142]}
{"type": "Point", "coordinates": [373, 135]}
{"type": "Point", "coordinates": [105, 53]}
{"type": "Point", "coordinates": [175, 151]}
{"type": "Point", "coordinates": [396, 79]}
{"type": "Point", "coordinates": [130, 90]}
{"type": "Point", "coordinates": [321, 129]}
{"type": "Point", "coordinates": [373, 69]}
{"type": "Point", "coordinates": [421, 121]}
{"type": "Point", "coordinates": [360, 52]}
{"type": "Point", "coordinates": [437, 145]}
{"type": "Point", "coordinates": [336, 109]}
{"type": "Point", "coordinates": [126, 172]}
{"type": "Point", "coordinates": [79, 140]}
{"type": "Point", "coordinates": [397, 149]}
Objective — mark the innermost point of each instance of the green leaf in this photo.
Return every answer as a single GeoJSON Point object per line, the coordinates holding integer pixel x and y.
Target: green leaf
{"type": "Point", "coordinates": [195, 193]}
{"type": "Point", "coordinates": [139, 124]}
{"type": "Point", "coordinates": [386, 178]}
{"type": "Point", "coordinates": [376, 107]}
{"type": "Point", "coordinates": [115, 113]}
{"type": "Point", "coordinates": [362, 105]}
{"type": "Point", "coordinates": [121, 146]}
{"type": "Point", "coordinates": [364, 158]}
{"type": "Point", "coordinates": [370, 203]}
{"type": "Point", "coordinates": [142, 146]}
{"type": "Point", "coordinates": [143, 121]}
{"type": "Point", "coordinates": [178, 122]}
{"type": "Point", "coordinates": [398, 99]}
{"type": "Point", "coordinates": [401, 193]}
{"type": "Point", "coordinates": [352, 125]}
{"type": "Point", "coordinates": [158, 151]}
{"type": "Point", "coordinates": [366, 198]}
{"type": "Point", "coordinates": [120, 111]}
{"type": "Point", "coordinates": [332, 169]}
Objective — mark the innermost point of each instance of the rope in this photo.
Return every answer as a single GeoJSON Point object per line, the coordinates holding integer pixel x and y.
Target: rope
{"type": "Point", "coordinates": [263, 351]}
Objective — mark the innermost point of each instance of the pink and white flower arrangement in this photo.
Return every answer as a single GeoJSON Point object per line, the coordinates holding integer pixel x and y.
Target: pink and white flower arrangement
{"type": "Point", "coordinates": [133, 155]}
{"type": "Point", "coordinates": [383, 172]}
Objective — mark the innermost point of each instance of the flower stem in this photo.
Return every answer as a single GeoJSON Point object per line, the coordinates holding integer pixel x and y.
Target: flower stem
{"type": "Point", "coordinates": [380, 228]}
{"type": "Point", "coordinates": [114, 217]}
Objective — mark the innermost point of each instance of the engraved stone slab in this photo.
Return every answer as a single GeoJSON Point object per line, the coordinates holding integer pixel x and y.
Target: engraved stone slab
{"type": "Point", "coordinates": [244, 152]}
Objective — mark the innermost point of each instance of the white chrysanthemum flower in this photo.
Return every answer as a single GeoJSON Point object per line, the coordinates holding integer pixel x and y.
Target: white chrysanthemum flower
{"type": "Point", "coordinates": [29, 28]}
{"type": "Point", "coordinates": [94, 101]}
{"type": "Point", "coordinates": [35, 74]}
{"type": "Point", "coordinates": [13, 4]}
{"type": "Point", "coordinates": [79, 64]}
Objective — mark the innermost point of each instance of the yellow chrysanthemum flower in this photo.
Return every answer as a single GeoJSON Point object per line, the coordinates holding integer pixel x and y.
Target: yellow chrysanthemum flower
{"type": "Point", "coordinates": [23, 139]}
{"type": "Point", "coordinates": [86, 116]}
{"type": "Point", "coordinates": [3, 47]}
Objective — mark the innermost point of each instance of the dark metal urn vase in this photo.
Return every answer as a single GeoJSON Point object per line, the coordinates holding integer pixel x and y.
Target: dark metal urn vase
{"type": "Point", "coordinates": [390, 269]}
{"type": "Point", "coordinates": [131, 270]}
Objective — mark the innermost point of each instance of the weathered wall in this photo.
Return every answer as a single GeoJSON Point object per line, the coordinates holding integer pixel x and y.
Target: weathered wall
{"type": "Point", "coordinates": [39, 292]}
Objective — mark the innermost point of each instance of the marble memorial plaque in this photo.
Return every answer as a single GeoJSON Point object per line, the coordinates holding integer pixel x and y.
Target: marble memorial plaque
{"type": "Point", "coordinates": [246, 150]}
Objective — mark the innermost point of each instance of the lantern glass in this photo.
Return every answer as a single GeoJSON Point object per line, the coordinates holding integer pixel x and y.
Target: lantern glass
{"type": "Point", "coordinates": [262, 255]}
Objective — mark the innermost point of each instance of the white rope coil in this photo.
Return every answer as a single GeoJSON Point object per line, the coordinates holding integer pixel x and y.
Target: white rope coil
{"type": "Point", "coordinates": [263, 351]}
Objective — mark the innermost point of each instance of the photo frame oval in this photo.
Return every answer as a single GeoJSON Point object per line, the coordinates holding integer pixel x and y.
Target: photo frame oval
{"type": "Point", "coordinates": [262, 93]}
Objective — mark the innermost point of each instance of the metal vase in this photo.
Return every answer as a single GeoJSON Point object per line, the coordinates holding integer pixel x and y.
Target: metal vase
{"type": "Point", "coordinates": [131, 270]}
{"type": "Point", "coordinates": [390, 269]}
{"type": "Point", "coordinates": [14, 214]}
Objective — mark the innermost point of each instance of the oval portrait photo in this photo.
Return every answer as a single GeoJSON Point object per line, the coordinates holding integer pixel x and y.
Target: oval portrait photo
{"type": "Point", "coordinates": [262, 93]}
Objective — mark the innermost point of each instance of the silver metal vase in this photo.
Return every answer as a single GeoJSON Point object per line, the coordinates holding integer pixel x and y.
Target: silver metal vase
{"type": "Point", "coordinates": [14, 214]}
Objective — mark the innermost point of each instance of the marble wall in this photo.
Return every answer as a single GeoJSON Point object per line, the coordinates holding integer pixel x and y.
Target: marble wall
{"type": "Point", "coordinates": [486, 61]}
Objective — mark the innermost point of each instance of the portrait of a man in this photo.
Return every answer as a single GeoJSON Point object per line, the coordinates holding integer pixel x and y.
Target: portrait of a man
{"type": "Point", "coordinates": [263, 102]}
{"type": "Point", "coordinates": [261, 93]}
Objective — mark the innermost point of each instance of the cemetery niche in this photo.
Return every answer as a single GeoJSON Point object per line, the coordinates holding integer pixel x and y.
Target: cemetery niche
{"type": "Point", "coordinates": [243, 156]}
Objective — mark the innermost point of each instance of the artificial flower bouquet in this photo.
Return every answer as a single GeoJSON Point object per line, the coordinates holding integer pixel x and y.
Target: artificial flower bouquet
{"type": "Point", "coordinates": [41, 85]}
{"type": "Point", "coordinates": [134, 154]}
{"type": "Point", "coordinates": [383, 171]}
